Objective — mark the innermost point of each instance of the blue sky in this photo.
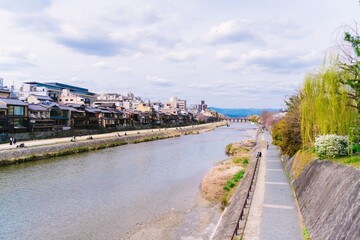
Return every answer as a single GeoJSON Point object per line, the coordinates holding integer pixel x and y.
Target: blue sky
{"type": "Point", "coordinates": [230, 53]}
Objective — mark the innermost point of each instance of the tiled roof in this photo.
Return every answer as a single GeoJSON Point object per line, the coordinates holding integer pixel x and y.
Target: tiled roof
{"type": "Point", "coordinates": [11, 101]}
{"type": "Point", "coordinates": [35, 107]}
{"type": "Point", "coordinates": [40, 97]}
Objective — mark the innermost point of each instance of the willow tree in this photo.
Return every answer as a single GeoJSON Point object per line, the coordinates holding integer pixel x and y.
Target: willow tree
{"type": "Point", "coordinates": [325, 106]}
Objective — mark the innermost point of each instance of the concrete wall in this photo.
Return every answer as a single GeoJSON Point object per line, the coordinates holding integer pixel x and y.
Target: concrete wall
{"type": "Point", "coordinates": [329, 199]}
{"type": "Point", "coordinates": [227, 223]}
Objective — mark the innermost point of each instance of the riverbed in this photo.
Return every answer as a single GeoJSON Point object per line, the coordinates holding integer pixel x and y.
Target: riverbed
{"type": "Point", "coordinates": [117, 193]}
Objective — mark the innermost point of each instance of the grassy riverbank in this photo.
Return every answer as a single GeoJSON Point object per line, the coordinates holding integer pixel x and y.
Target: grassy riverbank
{"type": "Point", "coordinates": [221, 182]}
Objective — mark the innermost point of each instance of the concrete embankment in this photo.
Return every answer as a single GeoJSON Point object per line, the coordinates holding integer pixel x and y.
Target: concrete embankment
{"type": "Point", "coordinates": [228, 221]}
{"type": "Point", "coordinates": [18, 155]}
{"type": "Point", "coordinates": [328, 195]}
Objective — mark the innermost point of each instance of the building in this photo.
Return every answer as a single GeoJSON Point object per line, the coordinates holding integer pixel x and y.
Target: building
{"type": "Point", "coordinates": [4, 125]}
{"type": "Point", "coordinates": [143, 107]}
{"type": "Point", "coordinates": [16, 115]}
{"type": "Point", "coordinates": [54, 90]}
{"type": "Point", "coordinates": [40, 118]}
{"type": "Point", "coordinates": [178, 104]}
{"type": "Point", "coordinates": [4, 92]}
{"type": "Point", "coordinates": [202, 106]}
{"type": "Point", "coordinates": [36, 99]}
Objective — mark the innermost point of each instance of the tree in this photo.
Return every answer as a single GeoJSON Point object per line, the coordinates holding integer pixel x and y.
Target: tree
{"type": "Point", "coordinates": [349, 62]}
{"type": "Point", "coordinates": [286, 133]}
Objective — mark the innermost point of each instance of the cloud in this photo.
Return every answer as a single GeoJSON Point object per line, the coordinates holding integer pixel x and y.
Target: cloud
{"type": "Point", "coordinates": [283, 29]}
{"type": "Point", "coordinates": [158, 81]}
{"type": "Point", "coordinates": [16, 57]}
{"type": "Point", "coordinates": [24, 6]}
{"type": "Point", "coordinates": [101, 66]}
{"type": "Point", "coordinates": [233, 31]}
{"type": "Point", "coordinates": [123, 70]}
{"type": "Point", "coordinates": [37, 22]}
{"type": "Point", "coordinates": [225, 56]}
{"type": "Point", "coordinates": [275, 61]}
{"type": "Point", "coordinates": [94, 46]}
{"type": "Point", "coordinates": [181, 56]}
{"type": "Point", "coordinates": [200, 85]}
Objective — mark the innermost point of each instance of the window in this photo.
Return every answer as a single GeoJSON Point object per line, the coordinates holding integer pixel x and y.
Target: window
{"type": "Point", "coordinates": [18, 111]}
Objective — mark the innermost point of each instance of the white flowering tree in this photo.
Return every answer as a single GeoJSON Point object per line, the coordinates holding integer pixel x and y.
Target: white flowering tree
{"type": "Point", "coordinates": [331, 146]}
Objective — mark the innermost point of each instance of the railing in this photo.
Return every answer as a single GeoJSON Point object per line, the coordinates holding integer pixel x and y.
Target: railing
{"type": "Point", "coordinates": [247, 200]}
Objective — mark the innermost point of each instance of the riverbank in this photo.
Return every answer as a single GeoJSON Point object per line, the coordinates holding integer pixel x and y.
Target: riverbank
{"type": "Point", "coordinates": [42, 149]}
{"type": "Point", "coordinates": [212, 185]}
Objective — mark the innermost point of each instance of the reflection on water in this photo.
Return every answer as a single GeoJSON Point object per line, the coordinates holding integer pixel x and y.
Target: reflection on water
{"type": "Point", "coordinates": [102, 194]}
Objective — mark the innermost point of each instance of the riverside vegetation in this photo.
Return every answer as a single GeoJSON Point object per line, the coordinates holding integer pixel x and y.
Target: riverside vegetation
{"type": "Point", "coordinates": [322, 122]}
{"type": "Point", "coordinates": [240, 153]}
{"type": "Point", "coordinates": [323, 117]}
{"type": "Point", "coordinates": [221, 182]}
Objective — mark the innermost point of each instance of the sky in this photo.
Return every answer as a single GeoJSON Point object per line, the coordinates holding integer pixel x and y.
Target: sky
{"type": "Point", "coordinates": [230, 53]}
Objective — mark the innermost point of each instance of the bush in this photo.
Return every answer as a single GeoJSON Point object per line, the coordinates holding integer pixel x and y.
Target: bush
{"type": "Point", "coordinates": [228, 149]}
{"type": "Point", "coordinates": [331, 146]}
{"type": "Point", "coordinates": [239, 175]}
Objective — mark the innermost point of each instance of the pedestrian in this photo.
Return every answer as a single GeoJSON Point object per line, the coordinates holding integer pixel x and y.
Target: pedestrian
{"type": "Point", "coordinates": [11, 140]}
{"type": "Point", "coordinates": [267, 145]}
{"type": "Point", "coordinates": [14, 141]}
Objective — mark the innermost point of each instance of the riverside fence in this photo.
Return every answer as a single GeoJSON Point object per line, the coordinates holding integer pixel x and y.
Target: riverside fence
{"type": "Point", "coordinates": [239, 232]}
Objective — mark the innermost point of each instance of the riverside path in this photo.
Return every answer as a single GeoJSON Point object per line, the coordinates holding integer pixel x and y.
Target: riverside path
{"type": "Point", "coordinates": [273, 214]}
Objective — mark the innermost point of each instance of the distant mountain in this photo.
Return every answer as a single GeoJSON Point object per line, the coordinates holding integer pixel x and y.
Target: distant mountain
{"type": "Point", "coordinates": [241, 112]}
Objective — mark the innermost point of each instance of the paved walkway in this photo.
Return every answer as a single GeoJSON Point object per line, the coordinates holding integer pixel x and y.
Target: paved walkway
{"type": "Point", "coordinates": [273, 213]}
{"type": "Point", "coordinates": [33, 143]}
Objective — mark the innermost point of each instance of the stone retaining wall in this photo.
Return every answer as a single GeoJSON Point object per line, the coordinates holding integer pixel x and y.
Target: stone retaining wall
{"type": "Point", "coordinates": [227, 223]}
{"type": "Point", "coordinates": [328, 195]}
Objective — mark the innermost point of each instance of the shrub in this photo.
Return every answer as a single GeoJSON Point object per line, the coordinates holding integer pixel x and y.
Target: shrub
{"type": "Point", "coordinates": [239, 175]}
{"type": "Point", "coordinates": [228, 149]}
{"type": "Point", "coordinates": [236, 159]}
{"type": "Point", "coordinates": [331, 146]}
{"type": "Point", "coordinates": [245, 160]}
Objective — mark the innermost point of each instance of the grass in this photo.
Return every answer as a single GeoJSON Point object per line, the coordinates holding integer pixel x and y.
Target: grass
{"type": "Point", "coordinates": [353, 161]}
{"type": "Point", "coordinates": [302, 159]}
{"type": "Point", "coordinates": [228, 149]}
{"type": "Point", "coordinates": [230, 183]}
{"type": "Point", "coordinates": [306, 234]}
{"type": "Point", "coordinates": [243, 160]}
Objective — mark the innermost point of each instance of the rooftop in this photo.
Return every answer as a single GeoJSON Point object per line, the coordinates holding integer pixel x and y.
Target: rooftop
{"type": "Point", "coordinates": [11, 101]}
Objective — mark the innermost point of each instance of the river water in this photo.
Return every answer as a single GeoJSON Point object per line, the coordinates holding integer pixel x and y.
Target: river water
{"type": "Point", "coordinates": [115, 192]}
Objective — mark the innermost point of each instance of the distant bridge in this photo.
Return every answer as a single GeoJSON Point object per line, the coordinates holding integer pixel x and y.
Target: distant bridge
{"type": "Point", "coordinates": [238, 119]}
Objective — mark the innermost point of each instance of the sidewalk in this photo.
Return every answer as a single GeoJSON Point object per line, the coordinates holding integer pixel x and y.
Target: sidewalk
{"type": "Point", "coordinates": [33, 143]}
{"type": "Point", "coordinates": [273, 213]}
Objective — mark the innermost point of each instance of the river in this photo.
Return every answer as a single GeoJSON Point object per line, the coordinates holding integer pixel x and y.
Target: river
{"type": "Point", "coordinates": [117, 193]}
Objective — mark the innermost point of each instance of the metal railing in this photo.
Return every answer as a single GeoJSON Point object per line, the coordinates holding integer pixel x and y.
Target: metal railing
{"type": "Point", "coordinates": [247, 200]}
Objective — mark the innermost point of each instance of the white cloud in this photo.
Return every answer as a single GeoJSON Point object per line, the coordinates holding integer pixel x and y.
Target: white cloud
{"type": "Point", "coordinates": [200, 85]}
{"type": "Point", "coordinates": [16, 57]}
{"type": "Point", "coordinates": [233, 31]}
{"type": "Point", "coordinates": [275, 60]}
{"type": "Point", "coordinates": [101, 65]}
{"type": "Point", "coordinates": [182, 56]}
{"type": "Point", "coordinates": [225, 55]}
{"type": "Point", "coordinates": [159, 81]}
{"type": "Point", "coordinates": [124, 70]}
